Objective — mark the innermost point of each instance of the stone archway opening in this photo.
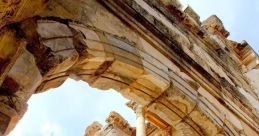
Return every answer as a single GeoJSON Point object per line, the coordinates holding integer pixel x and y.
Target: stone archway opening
{"type": "Point", "coordinates": [69, 109]}
{"type": "Point", "coordinates": [108, 61]}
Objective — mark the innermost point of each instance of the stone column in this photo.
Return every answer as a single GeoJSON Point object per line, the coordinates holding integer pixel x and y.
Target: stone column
{"type": "Point", "coordinates": [141, 131]}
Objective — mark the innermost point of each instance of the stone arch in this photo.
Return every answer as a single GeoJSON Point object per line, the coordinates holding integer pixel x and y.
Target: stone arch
{"type": "Point", "coordinates": [127, 75]}
{"type": "Point", "coordinates": [96, 46]}
{"type": "Point", "coordinates": [101, 59]}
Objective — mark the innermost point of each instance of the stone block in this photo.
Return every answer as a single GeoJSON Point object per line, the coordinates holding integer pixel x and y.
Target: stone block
{"type": "Point", "coordinates": [53, 29]}
{"type": "Point", "coordinates": [214, 25]}
{"type": "Point", "coordinates": [4, 121]}
{"type": "Point", "coordinates": [26, 68]}
{"type": "Point", "coordinates": [14, 11]}
{"type": "Point", "coordinates": [192, 14]}
{"type": "Point", "coordinates": [175, 3]}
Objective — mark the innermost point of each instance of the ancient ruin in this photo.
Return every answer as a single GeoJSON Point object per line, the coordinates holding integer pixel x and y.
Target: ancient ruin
{"type": "Point", "coordinates": [184, 77]}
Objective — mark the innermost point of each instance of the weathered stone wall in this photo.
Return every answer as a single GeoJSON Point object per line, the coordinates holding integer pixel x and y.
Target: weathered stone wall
{"type": "Point", "coordinates": [186, 73]}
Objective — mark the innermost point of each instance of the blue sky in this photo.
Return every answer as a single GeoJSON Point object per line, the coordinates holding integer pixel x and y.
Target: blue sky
{"type": "Point", "coordinates": [67, 110]}
{"type": "Point", "coordinates": [240, 17]}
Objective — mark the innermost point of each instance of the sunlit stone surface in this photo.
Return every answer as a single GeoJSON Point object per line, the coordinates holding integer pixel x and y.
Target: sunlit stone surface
{"type": "Point", "coordinates": [188, 77]}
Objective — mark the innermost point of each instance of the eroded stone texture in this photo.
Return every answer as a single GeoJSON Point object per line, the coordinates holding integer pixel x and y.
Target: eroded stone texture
{"type": "Point", "coordinates": [4, 120]}
{"type": "Point", "coordinates": [93, 130]}
{"type": "Point", "coordinates": [189, 78]}
{"type": "Point", "coordinates": [214, 25]}
{"type": "Point", "coordinates": [17, 10]}
{"type": "Point", "coordinates": [57, 39]}
{"type": "Point", "coordinates": [116, 126]}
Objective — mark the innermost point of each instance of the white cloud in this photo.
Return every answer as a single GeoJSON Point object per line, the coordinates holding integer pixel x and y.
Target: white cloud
{"type": "Point", "coordinates": [51, 129]}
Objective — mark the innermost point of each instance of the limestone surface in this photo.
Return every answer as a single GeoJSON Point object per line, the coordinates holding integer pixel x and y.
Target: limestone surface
{"type": "Point", "coordinates": [188, 77]}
